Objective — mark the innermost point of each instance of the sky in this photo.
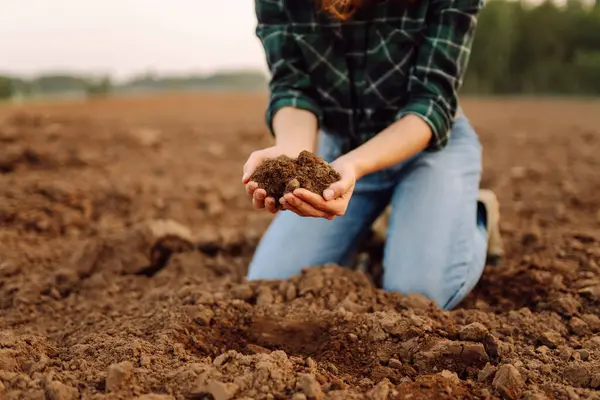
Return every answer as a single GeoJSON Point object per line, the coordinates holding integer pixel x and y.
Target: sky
{"type": "Point", "coordinates": [128, 37]}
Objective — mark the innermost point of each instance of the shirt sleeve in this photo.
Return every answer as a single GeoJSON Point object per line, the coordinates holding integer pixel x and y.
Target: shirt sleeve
{"type": "Point", "coordinates": [442, 58]}
{"type": "Point", "coordinates": [289, 84]}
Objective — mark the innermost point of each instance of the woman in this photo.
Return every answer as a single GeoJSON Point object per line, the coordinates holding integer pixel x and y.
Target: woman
{"type": "Point", "coordinates": [379, 81]}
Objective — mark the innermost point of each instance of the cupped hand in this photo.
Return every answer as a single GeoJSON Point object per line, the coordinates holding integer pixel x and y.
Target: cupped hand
{"type": "Point", "coordinates": [334, 200]}
{"type": "Point", "coordinates": [260, 200]}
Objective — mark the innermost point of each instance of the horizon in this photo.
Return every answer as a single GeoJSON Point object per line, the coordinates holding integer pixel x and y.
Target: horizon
{"type": "Point", "coordinates": [126, 38]}
{"type": "Point", "coordinates": [124, 79]}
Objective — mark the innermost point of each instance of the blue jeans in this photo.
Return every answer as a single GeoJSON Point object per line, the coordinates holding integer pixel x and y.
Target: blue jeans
{"type": "Point", "coordinates": [436, 241]}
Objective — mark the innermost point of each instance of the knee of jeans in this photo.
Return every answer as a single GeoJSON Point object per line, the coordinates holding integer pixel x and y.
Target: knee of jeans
{"type": "Point", "coordinates": [431, 284]}
{"type": "Point", "coordinates": [420, 286]}
{"type": "Point", "coordinates": [271, 267]}
{"type": "Point", "coordinates": [269, 263]}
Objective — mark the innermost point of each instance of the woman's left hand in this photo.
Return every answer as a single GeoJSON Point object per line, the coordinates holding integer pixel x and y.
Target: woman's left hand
{"type": "Point", "coordinates": [334, 201]}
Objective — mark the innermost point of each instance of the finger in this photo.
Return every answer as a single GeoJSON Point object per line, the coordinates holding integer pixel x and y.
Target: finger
{"type": "Point", "coordinates": [260, 194]}
{"type": "Point", "coordinates": [271, 205]}
{"type": "Point", "coordinates": [332, 207]}
{"type": "Point", "coordinates": [305, 208]}
{"type": "Point", "coordinates": [287, 206]}
{"type": "Point", "coordinates": [313, 199]}
{"type": "Point", "coordinates": [337, 189]}
{"type": "Point", "coordinates": [251, 187]}
{"type": "Point", "coordinates": [246, 176]}
{"type": "Point", "coordinates": [253, 162]}
{"type": "Point", "coordinates": [258, 198]}
{"type": "Point", "coordinates": [257, 203]}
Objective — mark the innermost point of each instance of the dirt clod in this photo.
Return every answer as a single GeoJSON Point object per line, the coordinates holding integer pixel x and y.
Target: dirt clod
{"type": "Point", "coordinates": [578, 326]}
{"type": "Point", "coordinates": [154, 396]}
{"type": "Point", "coordinates": [143, 249]}
{"type": "Point", "coordinates": [147, 137]}
{"type": "Point", "coordinates": [284, 174]}
{"type": "Point", "coordinates": [8, 361]}
{"type": "Point", "coordinates": [218, 390]}
{"type": "Point", "coordinates": [204, 316]}
{"type": "Point", "coordinates": [534, 395]}
{"type": "Point", "coordinates": [381, 391]}
{"type": "Point", "coordinates": [58, 391]}
{"type": "Point", "coordinates": [487, 373]}
{"type": "Point", "coordinates": [309, 385]}
{"type": "Point", "coordinates": [508, 381]}
{"type": "Point", "coordinates": [566, 305]}
{"type": "Point", "coordinates": [551, 339]}
{"type": "Point", "coordinates": [118, 375]}
{"type": "Point", "coordinates": [475, 332]}
{"type": "Point", "coordinates": [493, 347]}
{"type": "Point", "coordinates": [450, 375]}
{"type": "Point", "coordinates": [578, 374]}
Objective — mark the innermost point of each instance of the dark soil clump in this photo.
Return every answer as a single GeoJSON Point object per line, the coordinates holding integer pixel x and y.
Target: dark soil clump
{"type": "Point", "coordinates": [283, 174]}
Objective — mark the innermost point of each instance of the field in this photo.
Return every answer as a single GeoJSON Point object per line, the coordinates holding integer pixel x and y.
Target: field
{"type": "Point", "coordinates": [125, 234]}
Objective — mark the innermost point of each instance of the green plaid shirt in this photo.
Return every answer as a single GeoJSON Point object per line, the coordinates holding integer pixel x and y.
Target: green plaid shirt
{"type": "Point", "coordinates": [361, 75]}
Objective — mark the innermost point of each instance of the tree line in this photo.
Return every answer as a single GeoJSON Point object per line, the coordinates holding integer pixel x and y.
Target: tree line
{"type": "Point", "coordinates": [547, 49]}
{"type": "Point", "coordinates": [94, 86]}
{"type": "Point", "coordinates": [518, 49]}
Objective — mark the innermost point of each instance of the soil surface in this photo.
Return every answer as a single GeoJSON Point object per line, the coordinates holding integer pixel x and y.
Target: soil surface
{"type": "Point", "coordinates": [283, 174]}
{"type": "Point", "coordinates": [125, 235]}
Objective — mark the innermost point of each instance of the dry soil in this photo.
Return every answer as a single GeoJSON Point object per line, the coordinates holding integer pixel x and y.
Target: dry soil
{"type": "Point", "coordinates": [125, 233]}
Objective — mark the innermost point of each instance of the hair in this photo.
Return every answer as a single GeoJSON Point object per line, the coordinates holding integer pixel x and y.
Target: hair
{"type": "Point", "coordinates": [341, 9]}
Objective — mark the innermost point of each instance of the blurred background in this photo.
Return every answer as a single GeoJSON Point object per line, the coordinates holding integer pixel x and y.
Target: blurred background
{"type": "Point", "coordinates": [69, 48]}
{"type": "Point", "coordinates": [73, 48]}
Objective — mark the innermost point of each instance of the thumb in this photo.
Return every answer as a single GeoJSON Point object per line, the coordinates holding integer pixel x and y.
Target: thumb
{"type": "Point", "coordinates": [337, 189]}
{"type": "Point", "coordinates": [253, 162]}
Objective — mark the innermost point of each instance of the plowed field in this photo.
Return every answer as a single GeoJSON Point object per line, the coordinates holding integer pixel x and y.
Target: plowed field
{"type": "Point", "coordinates": [125, 234]}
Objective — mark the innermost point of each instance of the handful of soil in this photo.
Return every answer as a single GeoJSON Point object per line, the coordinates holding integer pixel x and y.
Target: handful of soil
{"type": "Point", "coordinates": [281, 175]}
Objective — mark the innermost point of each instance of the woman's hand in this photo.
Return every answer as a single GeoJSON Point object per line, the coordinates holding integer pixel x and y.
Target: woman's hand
{"type": "Point", "coordinates": [334, 201]}
{"type": "Point", "coordinates": [259, 196]}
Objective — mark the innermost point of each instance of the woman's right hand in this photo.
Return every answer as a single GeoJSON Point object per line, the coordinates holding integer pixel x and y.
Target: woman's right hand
{"type": "Point", "coordinates": [259, 196]}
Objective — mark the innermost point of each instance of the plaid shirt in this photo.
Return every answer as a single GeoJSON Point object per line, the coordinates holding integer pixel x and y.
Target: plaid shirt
{"type": "Point", "coordinates": [361, 75]}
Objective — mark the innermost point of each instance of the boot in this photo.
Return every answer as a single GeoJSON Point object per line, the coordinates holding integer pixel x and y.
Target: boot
{"type": "Point", "coordinates": [489, 201]}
